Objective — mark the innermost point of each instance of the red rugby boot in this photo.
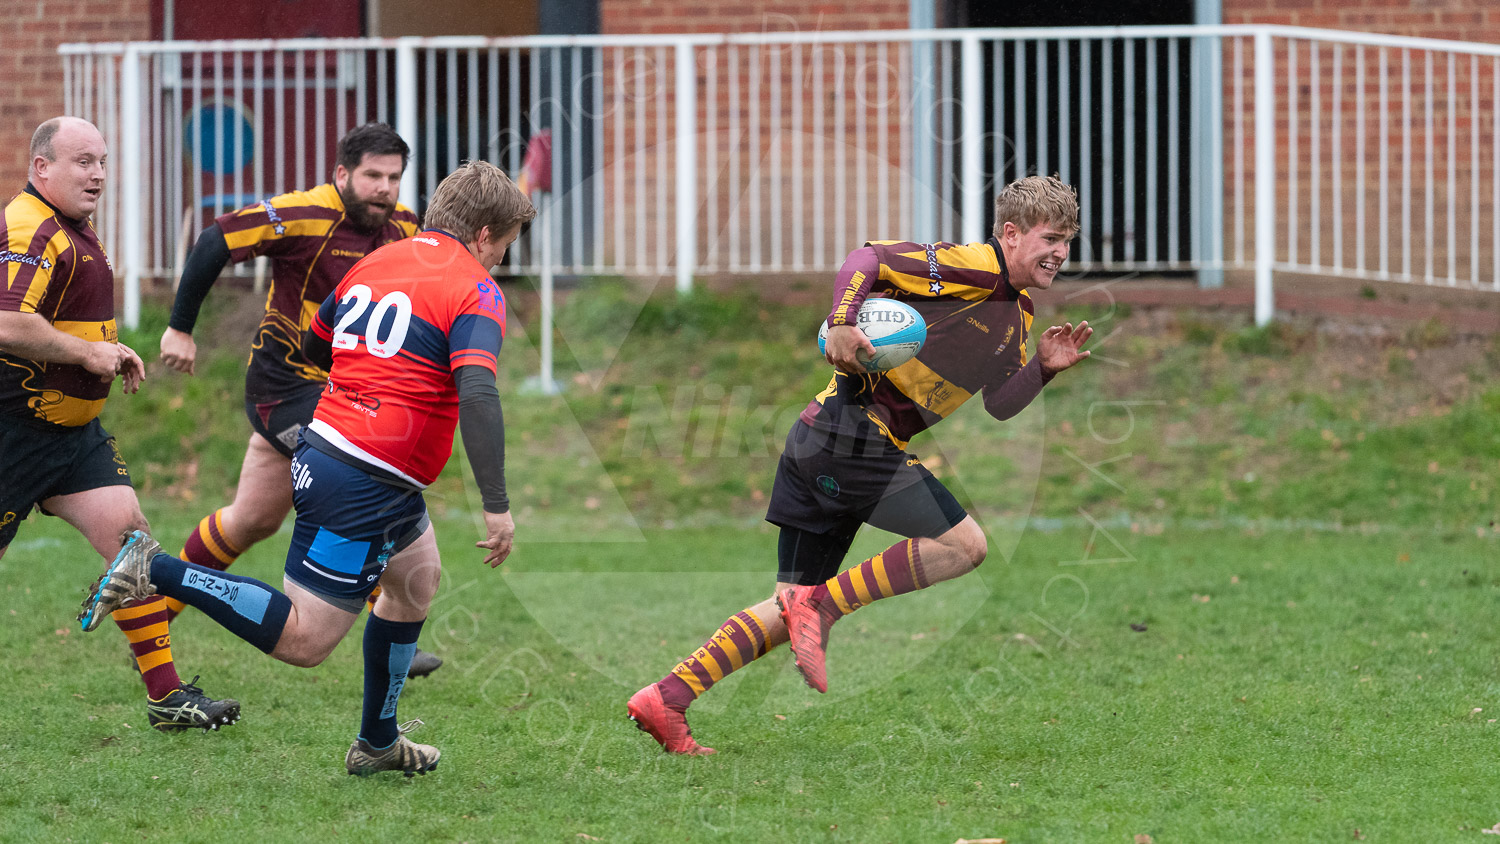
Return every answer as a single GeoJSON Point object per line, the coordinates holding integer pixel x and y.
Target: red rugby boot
{"type": "Point", "coordinates": [807, 626]}
{"type": "Point", "coordinates": [668, 726]}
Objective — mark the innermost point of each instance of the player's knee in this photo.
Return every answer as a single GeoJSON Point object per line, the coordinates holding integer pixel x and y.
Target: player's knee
{"type": "Point", "coordinates": [305, 657]}
{"type": "Point", "coordinates": [301, 651]}
{"type": "Point", "coordinates": [969, 540]}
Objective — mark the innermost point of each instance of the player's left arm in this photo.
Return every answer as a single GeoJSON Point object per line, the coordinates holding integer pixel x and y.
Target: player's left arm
{"type": "Point", "coordinates": [317, 340]}
{"type": "Point", "coordinates": [1060, 347]}
{"type": "Point", "coordinates": [474, 341]}
{"type": "Point", "coordinates": [482, 423]}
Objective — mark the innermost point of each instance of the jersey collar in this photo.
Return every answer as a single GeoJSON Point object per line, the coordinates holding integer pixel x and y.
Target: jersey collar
{"type": "Point", "coordinates": [1004, 285]}
{"type": "Point", "coordinates": [449, 235]}
{"type": "Point", "coordinates": [75, 223]}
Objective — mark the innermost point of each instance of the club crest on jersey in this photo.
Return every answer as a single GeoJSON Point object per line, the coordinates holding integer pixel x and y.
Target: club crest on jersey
{"type": "Point", "coordinates": [491, 301]}
{"type": "Point", "coordinates": [1009, 333]}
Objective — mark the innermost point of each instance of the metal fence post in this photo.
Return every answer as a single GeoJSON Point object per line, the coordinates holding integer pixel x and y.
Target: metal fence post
{"type": "Point", "coordinates": [1265, 179]}
{"type": "Point", "coordinates": [130, 181]}
{"type": "Point", "coordinates": [973, 141]}
{"type": "Point", "coordinates": [1207, 187]}
{"type": "Point", "coordinates": [687, 164]}
{"type": "Point", "coordinates": [406, 114]}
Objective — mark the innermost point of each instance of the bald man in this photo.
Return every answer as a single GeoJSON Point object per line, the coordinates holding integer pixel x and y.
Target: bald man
{"type": "Point", "coordinates": [59, 356]}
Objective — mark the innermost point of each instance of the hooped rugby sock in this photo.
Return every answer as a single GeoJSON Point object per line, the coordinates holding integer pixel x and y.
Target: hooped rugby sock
{"type": "Point", "coordinates": [389, 647]}
{"type": "Point", "coordinates": [244, 606]}
{"type": "Point", "coordinates": [740, 641]}
{"type": "Point", "coordinates": [145, 625]}
{"type": "Point", "coordinates": [895, 571]}
{"type": "Point", "coordinates": [207, 547]}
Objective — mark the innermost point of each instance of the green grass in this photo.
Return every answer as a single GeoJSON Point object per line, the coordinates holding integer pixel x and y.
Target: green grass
{"type": "Point", "coordinates": [1303, 523]}
{"type": "Point", "coordinates": [1289, 686]}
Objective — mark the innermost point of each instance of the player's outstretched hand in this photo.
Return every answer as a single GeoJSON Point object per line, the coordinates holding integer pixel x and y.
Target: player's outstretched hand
{"type": "Point", "coordinates": [178, 350]}
{"type": "Point", "coordinates": [502, 530]}
{"type": "Point", "coordinates": [843, 346]}
{"type": "Point", "coordinates": [131, 367]}
{"type": "Point", "coordinates": [1060, 346]}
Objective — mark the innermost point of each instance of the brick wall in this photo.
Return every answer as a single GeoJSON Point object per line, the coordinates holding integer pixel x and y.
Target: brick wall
{"type": "Point", "coordinates": [1331, 182]}
{"type": "Point", "coordinates": [638, 16]}
{"type": "Point", "coordinates": [31, 71]}
{"type": "Point", "coordinates": [1464, 20]}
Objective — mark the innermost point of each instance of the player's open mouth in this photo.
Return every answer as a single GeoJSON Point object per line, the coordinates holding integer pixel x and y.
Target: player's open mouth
{"type": "Point", "coordinates": [1050, 267]}
{"type": "Point", "coordinates": [94, 192]}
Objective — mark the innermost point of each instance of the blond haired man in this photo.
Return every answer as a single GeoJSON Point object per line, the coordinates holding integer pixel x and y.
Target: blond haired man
{"type": "Point", "coordinates": [410, 338]}
{"type": "Point", "coordinates": [845, 463]}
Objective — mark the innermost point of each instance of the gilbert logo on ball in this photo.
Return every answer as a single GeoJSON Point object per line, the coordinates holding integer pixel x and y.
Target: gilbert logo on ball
{"type": "Point", "coordinates": [895, 329]}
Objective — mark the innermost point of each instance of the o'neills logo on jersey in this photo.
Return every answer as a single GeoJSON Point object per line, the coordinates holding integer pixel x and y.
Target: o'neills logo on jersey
{"type": "Point", "coordinates": [345, 253]}
{"type": "Point", "coordinates": [979, 325]}
{"type": "Point", "coordinates": [430, 241]}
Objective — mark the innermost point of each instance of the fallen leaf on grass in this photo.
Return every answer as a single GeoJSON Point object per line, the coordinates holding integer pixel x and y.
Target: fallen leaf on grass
{"type": "Point", "coordinates": [980, 841]}
{"type": "Point", "coordinates": [1143, 838]}
{"type": "Point", "coordinates": [1139, 628]}
{"type": "Point", "coordinates": [1202, 599]}
{"type": "Point", "coordinates": [780, 717]}
{"type": "Point", "coordinates": [1358, 836]}
{"type": "Point", "coordinates": [586, 837]}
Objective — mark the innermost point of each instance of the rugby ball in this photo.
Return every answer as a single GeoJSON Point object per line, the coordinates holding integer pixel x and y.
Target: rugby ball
{"type": "Point", "coordinates": [895, 329]}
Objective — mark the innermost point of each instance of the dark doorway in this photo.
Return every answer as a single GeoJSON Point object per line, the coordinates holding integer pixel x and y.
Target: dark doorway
{"type": "Point", "coordinates": [1087, 109]}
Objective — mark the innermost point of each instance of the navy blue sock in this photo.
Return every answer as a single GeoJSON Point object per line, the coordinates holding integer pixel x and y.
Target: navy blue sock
{"type": "Point", "coordinates": [244, 606]}
{"type": "Point", "coordinates": [389, 647]}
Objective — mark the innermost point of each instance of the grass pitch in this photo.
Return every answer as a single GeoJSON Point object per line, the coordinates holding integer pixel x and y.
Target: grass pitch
{"type": "Point", "coordinates": [1287, 686]}
{"type": "Point", "coordinates": [1241, 588]}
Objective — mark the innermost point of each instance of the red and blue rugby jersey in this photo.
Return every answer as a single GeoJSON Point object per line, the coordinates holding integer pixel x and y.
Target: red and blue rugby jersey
{"type": "Point", "coordinates": [401, 322]}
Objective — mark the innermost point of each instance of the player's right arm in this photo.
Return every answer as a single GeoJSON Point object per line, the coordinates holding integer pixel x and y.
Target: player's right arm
{"type": "Point", "coordinates": [845, 340]}
{"type": "Point", "coordinates": [31, 336]}
{"type": "Point", "coordinates": [26, 273]}
{"type": "Point", "coordinates": [271, 227]}
{"type": "Point", "coordinates": [207, 259]}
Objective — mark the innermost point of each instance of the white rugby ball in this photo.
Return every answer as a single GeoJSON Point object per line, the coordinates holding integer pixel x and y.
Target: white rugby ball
{"type": "Point", "coordinates": [895, 329]}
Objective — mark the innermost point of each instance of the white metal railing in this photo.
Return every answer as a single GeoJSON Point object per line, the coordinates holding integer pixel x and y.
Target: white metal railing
{"type": "Point", "coordinates": [778, 152]}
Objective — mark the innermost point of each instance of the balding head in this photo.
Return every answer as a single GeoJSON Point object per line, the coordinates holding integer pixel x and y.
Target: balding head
{"type": "Point", "coordinates": [67, 165]}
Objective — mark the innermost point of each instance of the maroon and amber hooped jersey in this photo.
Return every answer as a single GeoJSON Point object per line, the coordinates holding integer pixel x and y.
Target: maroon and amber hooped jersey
{"type": "Point", "coordinates": [56, 267]}
{"type": "Point", "coordinates": [978, 333]}
{"type": "Point", "coordinates": [312, 244]}
{"type": "Point", "coordinates": [401, 322]}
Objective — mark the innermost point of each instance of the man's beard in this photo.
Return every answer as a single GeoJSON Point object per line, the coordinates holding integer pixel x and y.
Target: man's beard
{"type": "Point", "coordinates": [361, 214]}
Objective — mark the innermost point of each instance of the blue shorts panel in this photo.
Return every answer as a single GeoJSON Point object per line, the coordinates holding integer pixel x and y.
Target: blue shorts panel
{"type": "Point", "coordinates": [348, 526]}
